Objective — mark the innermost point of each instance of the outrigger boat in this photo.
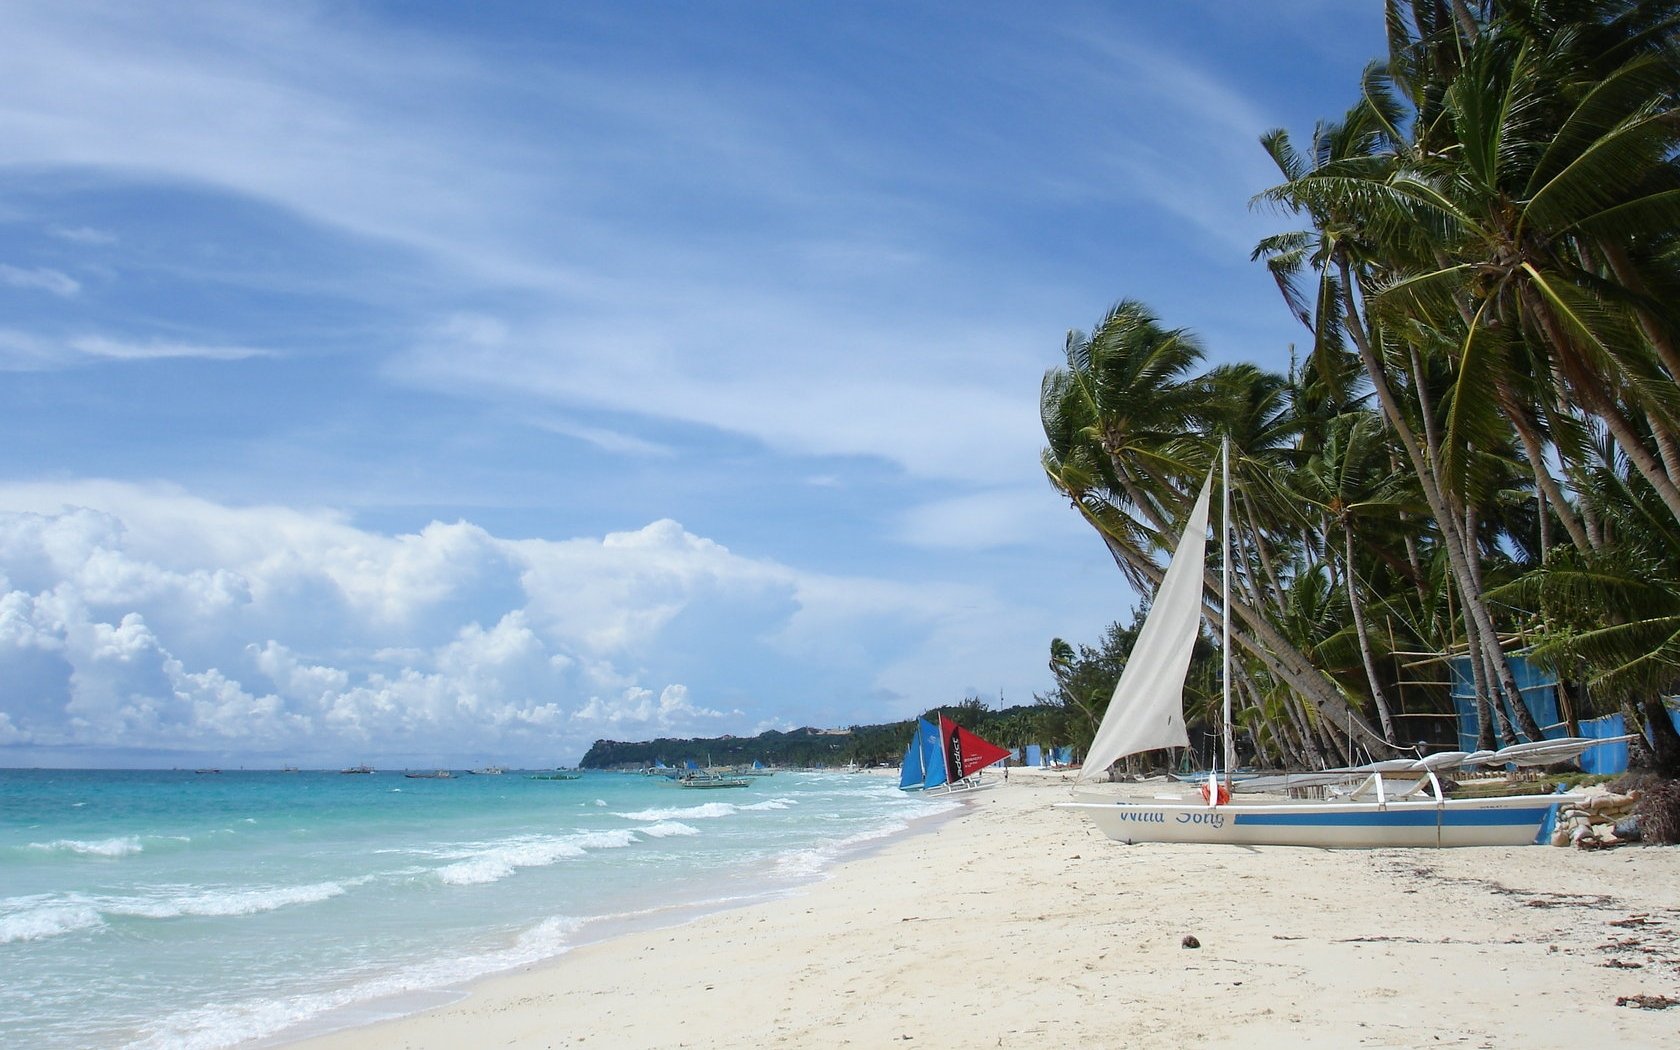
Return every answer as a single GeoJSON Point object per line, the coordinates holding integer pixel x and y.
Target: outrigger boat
{"type": "Point", "coordinates": [1369, 809]}
{"type": "Point", "coordinates": [702, 779]}
{"type": "Point", "coordinates": [945, 757]}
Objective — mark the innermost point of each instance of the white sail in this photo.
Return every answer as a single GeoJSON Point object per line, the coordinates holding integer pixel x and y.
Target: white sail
{"type": "Point", "coordinates": [1147, 710]}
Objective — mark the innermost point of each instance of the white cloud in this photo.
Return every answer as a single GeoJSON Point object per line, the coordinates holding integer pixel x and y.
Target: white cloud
{"type": "Point", "coordinates": [144, 617]}
{"type": "Point", "coordinates": [640, 712]}
{"type": "Point", "coordinates": [22, 351]}
{"type": "Point", "coordinates": [40, 278]}
{"type": "Point", "coordinates": [83, 235]}
{"type": "Point", "coordinates": [156, 350]}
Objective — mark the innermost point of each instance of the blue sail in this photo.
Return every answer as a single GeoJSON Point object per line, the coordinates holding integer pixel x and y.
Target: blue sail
{"type": "Point", "coordinates": [910, 772]}
{"type": "Point", "coordinates": [934, 772]}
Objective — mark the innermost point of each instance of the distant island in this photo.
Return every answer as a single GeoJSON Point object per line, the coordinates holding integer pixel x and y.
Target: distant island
{"type": "Point", "coordinates": [867, 745]}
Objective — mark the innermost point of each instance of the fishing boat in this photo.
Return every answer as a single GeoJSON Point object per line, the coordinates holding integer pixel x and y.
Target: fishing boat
{"type": "Point", "coordinates": [1396, 802]}
{"type": "Point", "coordinates": [701, 779]}
{"type": "Point", "coordinates": [437, 774]}
{"type": "Point", "coordinates": [488, 771]}
{"type": "Point", "coordinates": [945, 757]}
{"type": "Point", "coordinates": [357, 770]}
{"type": "Point", "coordinates": [559, 774]}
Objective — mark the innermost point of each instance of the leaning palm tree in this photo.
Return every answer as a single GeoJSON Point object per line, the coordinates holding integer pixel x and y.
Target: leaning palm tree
{"type": "Point", "coordinates": [1130, 434]}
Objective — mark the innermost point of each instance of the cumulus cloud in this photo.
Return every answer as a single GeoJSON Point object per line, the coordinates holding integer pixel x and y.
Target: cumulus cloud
{"type": "Point", "coordinates": [141, 617]}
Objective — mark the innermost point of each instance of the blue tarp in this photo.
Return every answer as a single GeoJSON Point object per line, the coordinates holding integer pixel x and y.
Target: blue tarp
{"type": "Point", "coordinates": [1035, 755]}
{"type": "Point", "coordinates": [1539, 692]}
{"type": "Point", "coordinates": [1064, 756]}
{"type": "Point", "coordinates": [1610, 758]}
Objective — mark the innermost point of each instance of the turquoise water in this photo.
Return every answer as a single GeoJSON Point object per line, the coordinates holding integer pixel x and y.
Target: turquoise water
{"type": "Point", "coordinates": [174, 909]}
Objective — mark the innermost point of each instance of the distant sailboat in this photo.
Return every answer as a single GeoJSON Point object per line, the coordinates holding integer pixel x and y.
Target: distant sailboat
{"type": "Point", "coordinates": [1147, 713]}
{"type": "Point", "coordinates": [945, 756]}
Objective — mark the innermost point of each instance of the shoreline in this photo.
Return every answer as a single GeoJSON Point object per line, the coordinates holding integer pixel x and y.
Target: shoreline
{"type": "Point", "coordinates": [730, 892]}
{"type": "Point", "coordinates": [1014, 923]}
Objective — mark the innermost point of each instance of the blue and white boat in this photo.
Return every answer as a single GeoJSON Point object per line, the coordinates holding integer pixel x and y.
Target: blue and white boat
{"type": "Point", "coordinates": [1397, 802]}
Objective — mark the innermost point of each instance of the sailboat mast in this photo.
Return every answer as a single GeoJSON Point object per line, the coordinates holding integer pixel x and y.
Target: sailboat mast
{"type": "Point", "coordinates": [1225, 599]}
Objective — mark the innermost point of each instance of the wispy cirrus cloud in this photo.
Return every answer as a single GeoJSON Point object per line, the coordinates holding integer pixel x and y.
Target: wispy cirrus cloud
{"type": "Point", "coordinates": [23, 351]}
{"type": "Point", "coordinates": [154, 350]}
{"type": "Point", "coordinates": [40, 278]}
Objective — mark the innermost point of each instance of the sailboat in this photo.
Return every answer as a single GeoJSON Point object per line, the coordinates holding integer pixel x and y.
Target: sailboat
{"type": "Point", "coordinates": [1380, 804]}
{"type": "Point", "coordinates": [945, 756]}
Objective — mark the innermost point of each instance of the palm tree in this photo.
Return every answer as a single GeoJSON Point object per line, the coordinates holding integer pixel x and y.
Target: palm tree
{"type": "Point", "coordinates": [1131, 434]}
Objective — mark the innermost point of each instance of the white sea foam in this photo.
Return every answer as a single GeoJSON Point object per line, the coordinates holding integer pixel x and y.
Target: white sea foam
{"type": "Point", "coordinates": [816, 860]}
{"type": "Point", "coordinates": [489, 862]}
{"type": "Point", "coordinates": [37, 918]}
{"type": "Point", "coordinates": [175, 902]}
{"type": "Point", "coordinates": [708, 811]}
{"type": "Point", "coordinates": [213, 1027]}
{"type": "Point", "coordinates": [114, 847]}
{"type": "Point", "coordinates": [667, 828]}
{"type": "Point", "coordinates": [769, 803]}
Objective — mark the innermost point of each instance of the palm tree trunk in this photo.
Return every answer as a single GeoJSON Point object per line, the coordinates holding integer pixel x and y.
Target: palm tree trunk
{"type": "Point", "coordinates": [1543, 480]}
{"type": "Point", "coordinates": [1356, 606]}
{"type": "Point", "coordinates": [1590, 390]}
{"type": "Point", "coordinates": [1458, 550]}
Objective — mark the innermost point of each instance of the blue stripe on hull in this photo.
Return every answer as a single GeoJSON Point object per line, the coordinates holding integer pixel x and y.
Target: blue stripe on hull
{"type": "Point", "coordinates": [1392, 819]}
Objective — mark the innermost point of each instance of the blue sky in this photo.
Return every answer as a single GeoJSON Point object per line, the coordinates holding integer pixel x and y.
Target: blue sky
{"type": "Point", "coordinates": [443, 383]}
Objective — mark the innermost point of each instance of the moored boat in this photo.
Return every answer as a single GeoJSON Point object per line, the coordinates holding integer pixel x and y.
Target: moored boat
{"type": "Point", "coordinates": [1146, 713]}
{"type": "Point", "coordinates": [704, 780]}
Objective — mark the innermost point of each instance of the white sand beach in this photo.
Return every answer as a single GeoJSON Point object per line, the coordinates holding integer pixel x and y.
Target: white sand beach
{"type": "Point", "coordinates": [1017, 925]}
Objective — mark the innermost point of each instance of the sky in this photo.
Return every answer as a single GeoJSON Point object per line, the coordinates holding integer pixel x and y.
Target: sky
{"type": "Point", "coordinates": [442, 384]}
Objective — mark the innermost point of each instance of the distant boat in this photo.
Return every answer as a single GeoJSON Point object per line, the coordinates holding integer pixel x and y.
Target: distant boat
{"type": "Point", "coordinates": [290, 769]}
{"type": "Point", "coordinates": [440, 774]}
{"type": "Point", "coordinates": [945, 757]}
{"type": "Point", "coordinates": [206, 771]}
{"type": "Point", "coordinates": [488, 771]}
{"type": "Point", "coordinates": [560, 774]}
{"type": "Point", "coordinates": [759, 769]}
{"type": "Point", "coordinates": [702, 779]}
{"type": "Point", "coordinates": [357, 769]}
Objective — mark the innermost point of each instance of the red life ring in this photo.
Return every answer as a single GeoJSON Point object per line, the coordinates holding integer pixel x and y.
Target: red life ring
{"type": "Point", "coordinates": [1224, 794]}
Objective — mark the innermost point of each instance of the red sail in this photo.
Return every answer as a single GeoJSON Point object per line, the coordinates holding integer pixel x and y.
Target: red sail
{"type": "Point", "coordinates": [965, 753]}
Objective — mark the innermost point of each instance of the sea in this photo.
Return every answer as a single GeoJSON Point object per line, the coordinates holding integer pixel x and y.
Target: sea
{"type": "Point", "coordinates": [156, 908]}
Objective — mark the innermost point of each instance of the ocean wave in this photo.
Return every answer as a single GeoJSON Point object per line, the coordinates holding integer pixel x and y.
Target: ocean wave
{"type": "Point", "coordinates": [221, 903]}
{"type": "Point", "coordinates": [113, 847]}
{"type": "Point", "coordinates": [667, 828]}
{"type": "Point", "coordinates": [223, 1025]}
{"type": "Point", "coordinates": [37, 918]}
{"type": "Point", "coordinates": [706, 811]}
{"type": "Point", "coordinates": [491, 862]}
{"type": "Point", "coordinates": [769, 803]}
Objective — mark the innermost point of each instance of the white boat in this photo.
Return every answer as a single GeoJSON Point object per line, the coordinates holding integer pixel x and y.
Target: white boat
{"type": "Point", "coordinates": [1147, 713]}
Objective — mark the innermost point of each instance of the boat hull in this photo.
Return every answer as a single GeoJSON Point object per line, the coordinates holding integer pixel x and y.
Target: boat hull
{"type": "Point", "coordinates": [1505, 821]}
